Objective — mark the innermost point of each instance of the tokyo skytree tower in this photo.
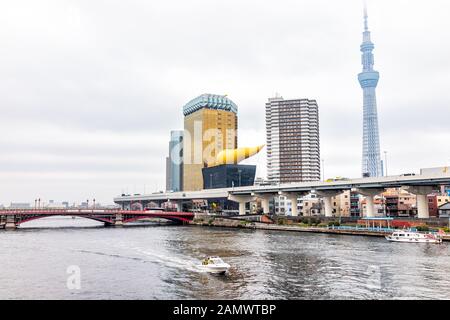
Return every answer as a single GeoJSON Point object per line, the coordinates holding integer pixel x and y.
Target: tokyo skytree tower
{"type": "Point", "coordinates": [368, 79]}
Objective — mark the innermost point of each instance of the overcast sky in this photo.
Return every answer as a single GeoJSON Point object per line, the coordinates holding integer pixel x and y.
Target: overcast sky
{"type": "Point", "coordinates": [89, 90]}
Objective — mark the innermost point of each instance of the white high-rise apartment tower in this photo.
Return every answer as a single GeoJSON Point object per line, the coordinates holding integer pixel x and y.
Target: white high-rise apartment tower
{"type": "Point", "coordinates": [293, 146]}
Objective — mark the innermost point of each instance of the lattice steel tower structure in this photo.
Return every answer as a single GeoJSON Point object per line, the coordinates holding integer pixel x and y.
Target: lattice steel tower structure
{"type": "Point", "coordinates": [368, 79]}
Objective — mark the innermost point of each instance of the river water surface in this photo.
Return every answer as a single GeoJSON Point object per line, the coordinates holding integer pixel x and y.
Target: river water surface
{"type": "Point", "coordinates": [160, 262]}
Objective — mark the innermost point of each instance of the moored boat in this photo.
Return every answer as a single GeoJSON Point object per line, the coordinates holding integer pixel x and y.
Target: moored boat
{"type": "Point", "coordinates": [414, 237]}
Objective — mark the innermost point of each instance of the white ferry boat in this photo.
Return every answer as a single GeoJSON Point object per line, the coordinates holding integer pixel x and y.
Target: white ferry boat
{"type": "Point", "coordinates": [214, 265]}
{"type": "Point", "coordinates": [414, 237]}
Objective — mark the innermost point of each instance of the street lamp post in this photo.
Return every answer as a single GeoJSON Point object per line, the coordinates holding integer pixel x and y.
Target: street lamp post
{"type": "Point", "coordinates": [323, 170]}
{"type": "Point", "coordinates": [385, 164]}
{"type": "Point", "coordinates": [94, 203]}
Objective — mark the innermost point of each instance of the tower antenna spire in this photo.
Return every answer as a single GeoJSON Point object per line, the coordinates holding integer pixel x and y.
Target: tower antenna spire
{"type": "Point", "coordinates": [366, 26]}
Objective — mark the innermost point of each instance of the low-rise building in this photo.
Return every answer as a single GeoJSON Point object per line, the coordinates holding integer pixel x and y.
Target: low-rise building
{"type": "Point", "coordinates": [355, 204]}
{"type": "Point", "coordinates": [399, 203]}
{"type": "Point", "coordinates": [435, 201]}
{"type": "Point", "coordinates": [84, 205]}
{"type": "Point", "coordinates": [378, 204]}
{"type": "Point", "coordinates": [341, 204]}
{"type": "Point", "coordinates": [20, 205]}
{"type": "Point", "coordinates": [444, 211]}
{"type": "Point", "coordinates": [311, 207]}
{"type": "Point", "coordinates": [57, 205]}
{"type": "Point", "coordinates": [283, 206]}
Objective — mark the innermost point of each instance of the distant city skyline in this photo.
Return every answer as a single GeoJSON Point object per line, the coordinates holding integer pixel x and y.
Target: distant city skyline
{"type": "Point", "coordinates": [87, 104]}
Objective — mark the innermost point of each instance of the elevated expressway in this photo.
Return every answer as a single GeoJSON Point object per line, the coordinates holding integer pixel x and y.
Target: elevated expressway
{"type": "Point", "coordinates": [420, 185]}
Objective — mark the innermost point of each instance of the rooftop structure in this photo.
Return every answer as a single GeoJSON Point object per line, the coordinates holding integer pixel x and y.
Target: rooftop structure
{"type": "Point", "coordinates": [210, 101]}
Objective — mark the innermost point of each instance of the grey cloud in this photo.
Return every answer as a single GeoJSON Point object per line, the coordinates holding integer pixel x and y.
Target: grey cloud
{"type": "Point", "coordinates": [110, 78]}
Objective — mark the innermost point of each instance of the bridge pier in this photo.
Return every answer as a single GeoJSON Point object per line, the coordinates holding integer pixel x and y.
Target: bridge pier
{"type": "Point", "coordinates": [242, 200]}
{"type": "Point", "coordinates": [118, 220]}
{"type": "Point", "coordinates": [10, 222]}
{"type": "Point", "coordinates": [422, 193]}
{"type": "Point", "coordinates": [369, 194]}
{"type": "Point", "coordinates": [293, 198]}
{"type": "Point", "coordinates": [265, 200]}
{"type": "Point", "coordinates": [179, 206]}
{"type": "Point", "coordinates": [327, 196]}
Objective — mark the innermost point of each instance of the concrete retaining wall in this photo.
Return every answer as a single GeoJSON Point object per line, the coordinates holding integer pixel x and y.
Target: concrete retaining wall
{"type": "Point", "coordinates": [232, 223]}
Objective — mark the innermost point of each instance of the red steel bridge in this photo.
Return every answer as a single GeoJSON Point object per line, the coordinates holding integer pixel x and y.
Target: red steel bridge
{"type": "Point", "coordinates": [12, 218]}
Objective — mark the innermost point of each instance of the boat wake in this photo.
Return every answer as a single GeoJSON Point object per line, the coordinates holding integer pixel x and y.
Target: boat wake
{"type": "Point", "coordinates": [170, 261]}
{"type": "Point", "coordinates": [145, 255]}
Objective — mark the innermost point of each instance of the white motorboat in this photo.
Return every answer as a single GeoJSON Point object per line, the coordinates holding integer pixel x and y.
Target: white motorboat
{"type": "Point", "coordinates": [414, 237]}
{"type": "Point", "coordinates": [214, 265]}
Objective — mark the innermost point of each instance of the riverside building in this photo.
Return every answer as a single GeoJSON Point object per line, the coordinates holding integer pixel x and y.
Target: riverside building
{"type": "Point", "coordinates": [174, 162]}
{"type": "Point", "coordinates": [210, 126]}
{"type": "Point", "coordinates": [293, 146]}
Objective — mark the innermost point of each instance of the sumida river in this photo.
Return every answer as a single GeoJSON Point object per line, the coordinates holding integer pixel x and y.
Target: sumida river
{"type": "Point", "coordinates": [64, 258]}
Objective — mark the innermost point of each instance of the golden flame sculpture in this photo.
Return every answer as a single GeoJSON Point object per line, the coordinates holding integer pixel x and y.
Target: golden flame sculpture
{"type": "Point", "coordinates": [234, 156]}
